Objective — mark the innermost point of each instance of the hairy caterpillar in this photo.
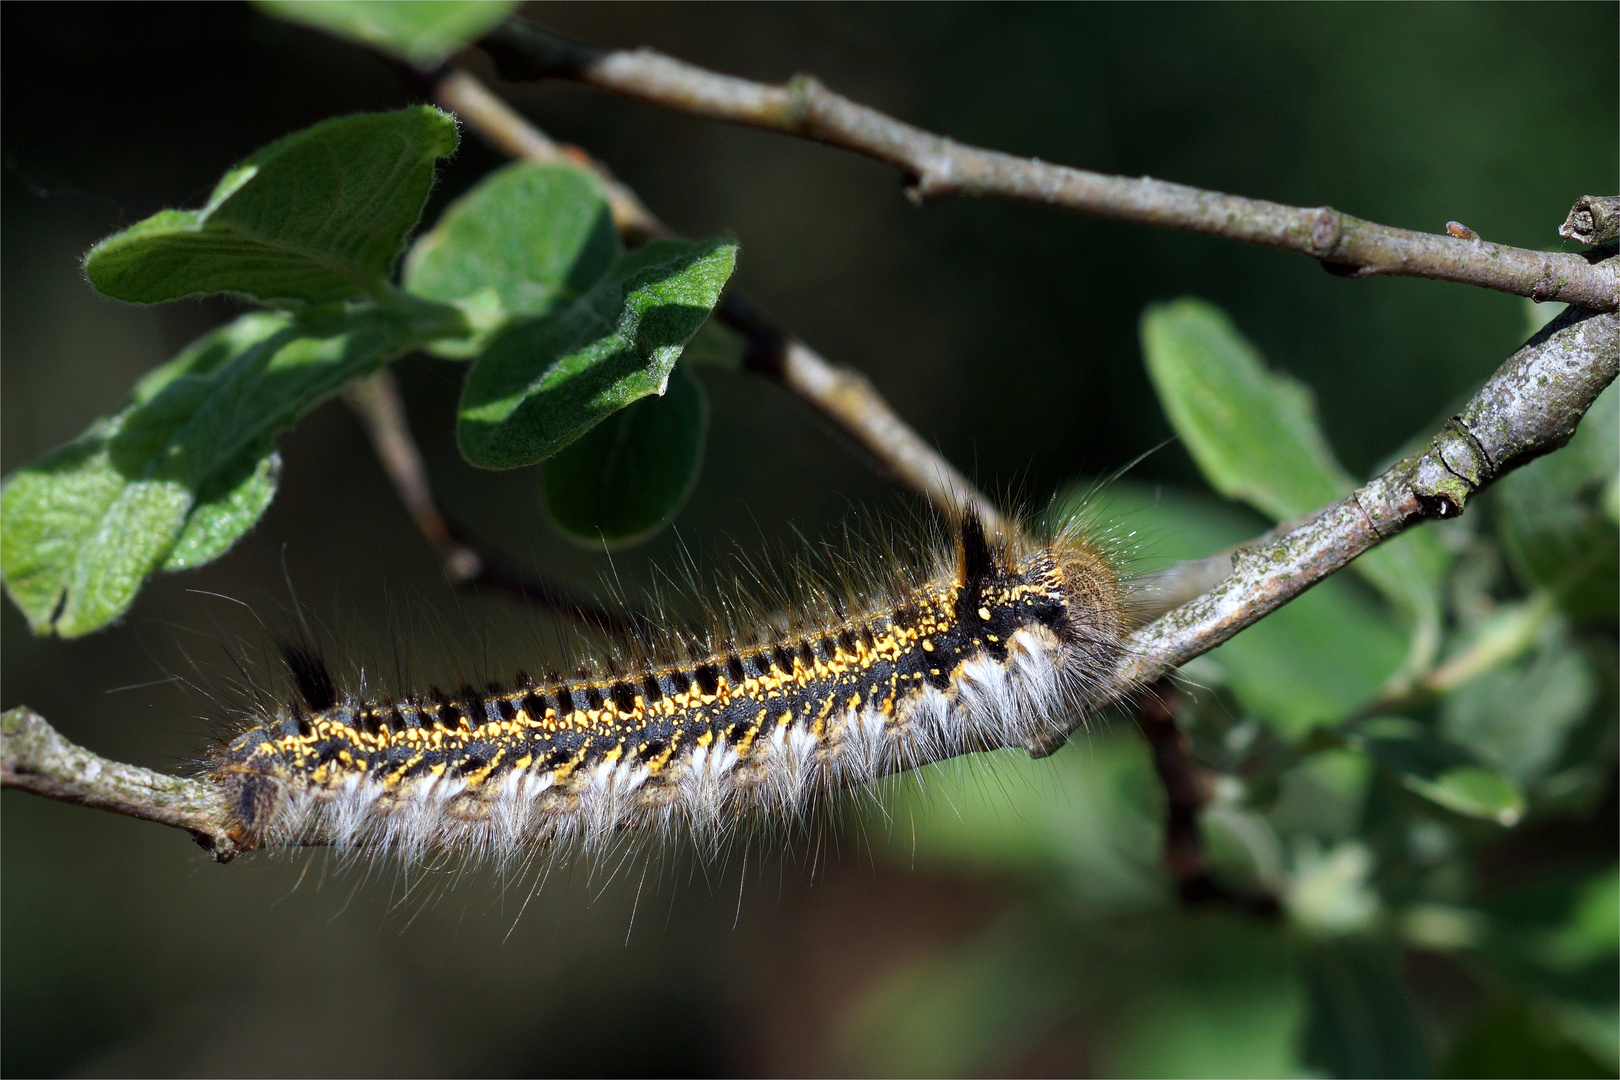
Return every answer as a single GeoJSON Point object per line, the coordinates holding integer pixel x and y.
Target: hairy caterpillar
{"type": "Point", "coordinates": [993, 642]}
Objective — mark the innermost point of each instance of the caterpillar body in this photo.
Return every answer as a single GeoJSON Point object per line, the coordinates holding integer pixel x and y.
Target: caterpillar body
{"type": "Point", "coordinates": [991, 643]}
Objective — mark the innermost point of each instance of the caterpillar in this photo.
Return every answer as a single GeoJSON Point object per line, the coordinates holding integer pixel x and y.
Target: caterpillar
{"type": "Point", "coordinates": [990, 642]}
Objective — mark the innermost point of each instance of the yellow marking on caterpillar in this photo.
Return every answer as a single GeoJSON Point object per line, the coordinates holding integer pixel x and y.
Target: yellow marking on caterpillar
{"type": "Point", "coordinates": [898, 651]}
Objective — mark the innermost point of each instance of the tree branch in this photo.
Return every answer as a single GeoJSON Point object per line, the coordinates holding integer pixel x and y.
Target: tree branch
{"type": "Point", "coordinates": [1187, 789]}
{"type": "Point", "coordinates": [842, 394]}
{"type": "Point", "coordinates": [936, 166]}
{"type": "Point", "coordinates": [1530, 406]}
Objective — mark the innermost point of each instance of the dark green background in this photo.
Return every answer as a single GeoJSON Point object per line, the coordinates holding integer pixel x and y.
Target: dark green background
{"type": "Point", "coordinates": [1005, 334]}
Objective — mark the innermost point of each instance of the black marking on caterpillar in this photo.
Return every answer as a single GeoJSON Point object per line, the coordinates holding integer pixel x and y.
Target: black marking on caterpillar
{"type": "Point", "coordinates": [1000, 645]}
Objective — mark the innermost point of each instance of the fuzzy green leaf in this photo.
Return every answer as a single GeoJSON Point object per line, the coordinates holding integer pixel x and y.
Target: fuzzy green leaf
{"type": "Point", "coordinates": [623, 480]}
{"type": "Point", "coordinates": [524, 240]}
{"type": "Point", "coordinates": [232, 502]}
{"type": "Point", "coordinates": [421, 31]}
{"type": "Point", "coordinates": [1255, 435]}
{"type": "Point", "coordinates": [319, 215]}
{"type": "Point", "coordinates": [542, 383]}
{"type": "Point", "coordinates": [187, 467]}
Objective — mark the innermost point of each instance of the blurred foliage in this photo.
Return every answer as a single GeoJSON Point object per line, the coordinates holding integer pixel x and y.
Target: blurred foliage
{"type": "Point", "coordinates": [524, 275]}
{"type": "Point", "coordinates": [1417, 761]}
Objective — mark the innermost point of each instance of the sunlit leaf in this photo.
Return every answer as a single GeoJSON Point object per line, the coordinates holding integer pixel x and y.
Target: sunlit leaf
{"type": "Point", "coordinates": [542, 383]}
{"type": "Point", "coordinates": [187, 467]}
{"type": "Point", "coordinates": [1473, 792]}
{"type": "Point", "coordinates": [525, 239]}
{"type": "Point", "coordinates": [319, 215]}
{"type": "Point", "coordinates": [1255, 435]}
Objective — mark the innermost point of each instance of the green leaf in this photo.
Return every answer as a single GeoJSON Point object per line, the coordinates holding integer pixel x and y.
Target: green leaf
{"type": "Point", "coordinates": [1517, 719]}
{"type": "Point", "coordinates": [1554, 515]}
{"type": "Point", "coordinates": [1555, 936]}
{"type": "Point", "coordinates": [1253, 431]}
{"type": "Point", "coordinates": [1361, 1023]}
{"type": "Point", "coordinates": [1330, 893]}
{"type": "Point", "coordinates": [186, 467]}
{"type": "Point", "coordinates": [317, 216]}
{"type": "Point", "coordinates": [1513, 1039]}
{"type": "Point", "coordinates": [525, 239]}
{"type": "Point", "coordinates": [629, 475]}
{"type": "Point", "coordinates": [1308, 663]}
{"type": "Point", "coordinates": [229, 506]}
{"type": "Point", "coordinates": [542, 383]}
{"type": "Point", "coordinates": [1473, 792]}
{"type": "Point", "coordinates": [421, 31]}
{"type": "Point", "coordinates": [1255, 435]}
{"type": "Point", "coordinates": [1593, 930]}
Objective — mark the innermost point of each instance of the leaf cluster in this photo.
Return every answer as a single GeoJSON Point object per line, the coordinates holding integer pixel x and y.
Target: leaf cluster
{"type": "Point", "coordinates": [524, 277]}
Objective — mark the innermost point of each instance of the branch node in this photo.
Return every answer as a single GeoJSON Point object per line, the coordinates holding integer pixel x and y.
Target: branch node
{"type": "Point", "coordinates": [802, 91]}
{"type": "Point", "coordinates": [1594, 219]}
{"type": "Point", "coordinates": [1325, 232]}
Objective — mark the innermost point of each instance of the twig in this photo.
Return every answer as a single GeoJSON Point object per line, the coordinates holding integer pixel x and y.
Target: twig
{"type": "Point", "coordinates": [1187, 789]}
{"type": "Point", "coordinates": [936, 166]}
{"type": "Point", "coordinates": [376, 401]}
{"type": "Point", "coordinates": [1529, 407]}
{"type": "Point", "coordinates": [844, 395]}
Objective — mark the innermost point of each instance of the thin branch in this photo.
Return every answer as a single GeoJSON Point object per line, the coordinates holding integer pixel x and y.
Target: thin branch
{"type": "Point", "coordinates": [936, 166]}
{"type": "Point", "coordinates": [376, 401]}
{"type": "Point", "coordinates": [1531, 406]}
{"type": "Point", "coordinates": [842, 394]}
{"type": "Point", "coordinates": [1187, 789]}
